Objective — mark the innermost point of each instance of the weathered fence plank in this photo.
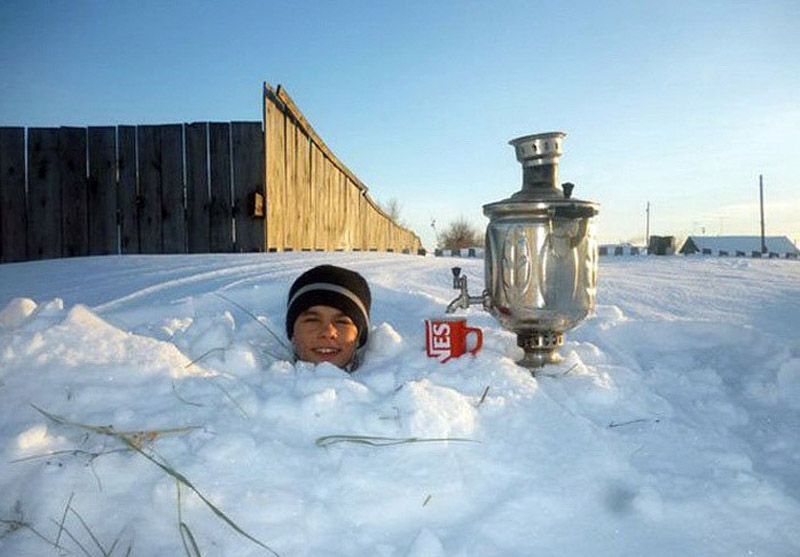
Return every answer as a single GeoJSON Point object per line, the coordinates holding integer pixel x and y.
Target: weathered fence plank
{"type": "Point", "coordinates": [221, 201]}
{"type": "Point", "coordinates": [248, 180]}
{"type": "Point", "coordinates": [148, 140]}
{"type": "Point", "coordinates": [44, 194]}
{"type": "Point", "coordinates": [353, 216]}
{"type": "Point", "coordinates": [74, 196]}
{"type": "Point", "coordinates": [198, 202]}
{"type": "Point", "coordinates": [292, 216]}
{"type": "Point", "coordinates": [340, 212]}
{"type": "Point", "coordinates": [327, 207]}
{"type": "Point", "coordinates": [102, 191]}
{"type": "Point", "coordinates": [362, 225]}
{"type": "Point", "coordinates": [173, 215]}
{"type": "Point", "coordinates": [319, 198]}
{"type": "Point", "coordinates": [128, 192]}
{"type": "Point", "coordinates": [301, 214]}
{"type": "Point", "coordinates": [13, 242]}
{"type": "Point", "coordinates": [276, 176]}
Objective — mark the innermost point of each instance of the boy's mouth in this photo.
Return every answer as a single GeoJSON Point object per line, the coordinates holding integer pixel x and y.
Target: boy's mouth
{"type": "Point", "coordinates": [326, 351]}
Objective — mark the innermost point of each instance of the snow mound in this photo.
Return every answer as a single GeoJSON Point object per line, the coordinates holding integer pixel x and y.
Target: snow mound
{"type": "Point", "coordinates": [16, 312]}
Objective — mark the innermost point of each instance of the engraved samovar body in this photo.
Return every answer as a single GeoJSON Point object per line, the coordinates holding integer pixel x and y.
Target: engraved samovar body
{"type": "Point", "coordinates": [540, 255]}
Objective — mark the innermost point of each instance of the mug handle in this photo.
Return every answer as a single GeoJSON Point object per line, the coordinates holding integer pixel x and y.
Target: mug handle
{"type": "Point", "coordinates": [479, 335]}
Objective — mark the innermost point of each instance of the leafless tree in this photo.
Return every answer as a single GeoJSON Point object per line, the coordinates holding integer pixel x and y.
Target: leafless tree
{"type": "Point", "coordinates": [392, 208]}
{"type": "Point", "coordinates": [460, 234]}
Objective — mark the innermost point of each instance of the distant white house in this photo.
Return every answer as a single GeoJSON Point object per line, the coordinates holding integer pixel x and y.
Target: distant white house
{"type": "Point", "coordinates": [742, 246]}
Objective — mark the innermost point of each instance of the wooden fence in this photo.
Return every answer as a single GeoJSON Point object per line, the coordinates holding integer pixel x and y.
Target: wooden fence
{"type": "Point", "coordinates": [181, 188]}
{"type": "Point", "coordinates": [185, 188]}
{"type": "Point", "coordinates": [314, 201]}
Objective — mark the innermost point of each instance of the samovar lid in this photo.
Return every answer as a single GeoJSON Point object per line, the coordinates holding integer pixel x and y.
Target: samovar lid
{"type": "Point", "coordinates": [541, 193]}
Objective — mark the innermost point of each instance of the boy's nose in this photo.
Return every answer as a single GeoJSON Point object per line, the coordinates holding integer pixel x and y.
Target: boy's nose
{"type": "Point", "coordinates": [328, 330]}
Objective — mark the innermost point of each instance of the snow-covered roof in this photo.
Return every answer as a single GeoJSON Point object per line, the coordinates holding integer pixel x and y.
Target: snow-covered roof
{"type": "Point", "coordinates": [747, 244]}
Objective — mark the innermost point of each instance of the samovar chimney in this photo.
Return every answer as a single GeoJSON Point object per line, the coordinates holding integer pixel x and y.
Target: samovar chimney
{"type": "Point", "coordinates": [539, 156]}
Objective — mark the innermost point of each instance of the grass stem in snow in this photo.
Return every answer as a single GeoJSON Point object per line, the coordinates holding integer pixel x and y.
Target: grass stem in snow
{"type": "Point", "coordinates": [257, 320]}
{"type": "Point", "coordinates": [14, 525]}
{"type": "Point", "coordinates": [183, 400]}
{"type": "Point", "coordinates": [373, 441]}
{"type": "Point", "coordinates": [203, 355]}
{"type": "Point", "coordinates": [483, 396]}
{"type": "Point", "coordinates": [233, 400]}
{"type": "Point", "coordinates": [64, 518]}
{"type": "Point", "coordinates": [132, 443]}
{"type": "Point", "coordinates": [89, 531]}
{"type": "Point", "coordinates": [186, 533]}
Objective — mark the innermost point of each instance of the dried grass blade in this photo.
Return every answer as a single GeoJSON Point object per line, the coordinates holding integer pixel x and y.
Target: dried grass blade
{"type": "Point", "coordinates": [183, 400]}
{"type": "Point", "coordinates": [376, 441]}
{"type": "Point", "coordinates": [233, 400]}
{"type": "Point", "coordinates": [185, 532]}
{"type": "Point", "coordinates": [64, 518]}
{"type": "Point", "coordinates": [483, 396]}
{"type": "Point", "coordinates": [73, 452]}
{"type": "Point", "coordinates": [116, 541]}
{"type": "Point", "coordinates": [201, 356]}
{"type": "Point", "coordinates": [75, 541]}
{"type": "Point", "coordinates": [89, 530]}
{"type": "Point", "coordinates": [17, 524]}
{"type": "Point", "coordinates": [257, 320]}
{"type": "Point", "coordinates": [106, 430]}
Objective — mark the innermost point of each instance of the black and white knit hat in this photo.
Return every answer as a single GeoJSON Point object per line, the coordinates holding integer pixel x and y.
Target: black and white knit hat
{"type": "Point", "coordinates": [328, 285]}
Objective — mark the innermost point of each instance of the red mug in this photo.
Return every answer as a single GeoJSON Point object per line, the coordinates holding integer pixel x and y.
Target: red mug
{"type": "Point", "coordinates": [447, 338]}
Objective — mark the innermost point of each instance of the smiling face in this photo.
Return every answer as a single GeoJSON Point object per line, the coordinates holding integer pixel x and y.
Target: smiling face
{"type": "Point", "coordinates": [325, 334]}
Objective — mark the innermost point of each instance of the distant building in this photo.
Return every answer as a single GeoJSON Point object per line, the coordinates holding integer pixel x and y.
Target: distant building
{"type": "Point", "coordinates": [741, 246]}
{"type": "Point", "coordinates": [621, 249]}
{"type": "Point", "coordinates": [466, 252]}
{"type": "Point", "coordinates": [662, 245]}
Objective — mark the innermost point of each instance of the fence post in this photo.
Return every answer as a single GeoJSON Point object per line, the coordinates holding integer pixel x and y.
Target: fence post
{"type": "Point", "coordinates": [102, 190]}
{"type": "Point", "coordinates": [44, 194]}
{"type": "Point", "coordinates": [128, 192]}
{"type": "Point", "coordinates": [173, 220]}
{"type": "Point", "coordinates": [198, 201]}
{"type": "Point", "coordinates": [248, 180]}
{"type": "Point", "coordinates": [221, 201]}
{"type": "Point", "coordinates": [13, 213]}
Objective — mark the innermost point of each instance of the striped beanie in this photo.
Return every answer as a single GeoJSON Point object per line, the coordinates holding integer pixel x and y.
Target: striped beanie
{"type": "Point", "coordinates": [328, 285]}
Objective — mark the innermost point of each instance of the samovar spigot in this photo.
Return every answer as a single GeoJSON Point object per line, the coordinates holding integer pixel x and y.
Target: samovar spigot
{"type": "Point", "coordinates": [464, 300]}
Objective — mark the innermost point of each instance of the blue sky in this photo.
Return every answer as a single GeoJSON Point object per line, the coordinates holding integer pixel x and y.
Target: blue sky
{"type": "Point", "coordinates": [679, 104]}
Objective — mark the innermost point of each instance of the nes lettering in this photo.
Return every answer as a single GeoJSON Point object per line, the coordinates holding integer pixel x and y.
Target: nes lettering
{"type": "Point", "coordinates": [440, 339]}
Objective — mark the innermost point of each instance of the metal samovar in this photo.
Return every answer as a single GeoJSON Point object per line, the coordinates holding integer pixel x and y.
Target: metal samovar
{"type": "Point", "coordinates": [540, 256]}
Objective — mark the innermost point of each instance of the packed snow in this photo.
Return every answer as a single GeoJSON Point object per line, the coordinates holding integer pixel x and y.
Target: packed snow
{"type": "Point", "coordinates": [148, 406]}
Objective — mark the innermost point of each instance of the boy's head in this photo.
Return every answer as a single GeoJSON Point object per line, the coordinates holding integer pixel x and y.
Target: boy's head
{"type": "Point", "coordinates": [327, 315]}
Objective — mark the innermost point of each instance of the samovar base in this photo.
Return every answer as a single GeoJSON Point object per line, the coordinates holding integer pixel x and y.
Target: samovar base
{"type": "Point", "coordinates": [541, 348]}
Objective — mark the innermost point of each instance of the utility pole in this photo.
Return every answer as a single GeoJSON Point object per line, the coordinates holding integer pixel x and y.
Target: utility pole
{"type": "Point", "coordinates": [647, 227]}
{"type": "Point", "coordinates": [761, 195]}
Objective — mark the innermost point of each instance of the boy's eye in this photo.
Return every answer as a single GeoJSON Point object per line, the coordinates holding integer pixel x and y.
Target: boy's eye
{"type": "Point", "coordinates": [345, 321]}
{"type": "Point", "coordinates": [309, 319]}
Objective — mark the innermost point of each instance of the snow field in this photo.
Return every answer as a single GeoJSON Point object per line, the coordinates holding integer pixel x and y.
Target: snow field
{"type": "Point", "coordinates": [669, 429]}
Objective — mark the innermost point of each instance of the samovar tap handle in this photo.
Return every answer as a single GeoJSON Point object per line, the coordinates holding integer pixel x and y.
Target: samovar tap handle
{"type": "Point", "coordinates": [464, 300]}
